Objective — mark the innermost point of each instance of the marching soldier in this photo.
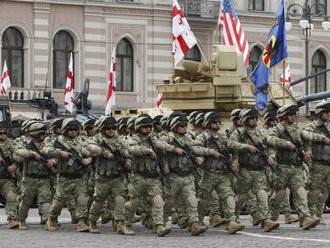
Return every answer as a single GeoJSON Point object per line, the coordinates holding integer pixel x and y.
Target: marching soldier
{"type": "Point", "coordinates": [320, 169]}
{"type": "Point", "coordinates": [36, 174]}
{"type": "Point", "coordinates": [7, 183]}
{"type": "Point", "coordinates": [70, 150]}
{"type": "Point", "coordinates": [252, 164]}
{"type": "Point", "coordinates": [290, 163]}
{"type": "Point", "coordinates": [218, 174]}
{"type": "Point", "coordinates": [145, 178]}
{"type": "Point", "coordinates": [235, 118]}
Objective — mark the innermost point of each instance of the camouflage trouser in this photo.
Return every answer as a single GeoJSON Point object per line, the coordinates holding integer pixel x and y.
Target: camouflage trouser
{"type": "Point", "coordinates": [293, 178]}
{"type": "Point", "coordinates": [67, 189]}
{"type": "Point", "coordinates": [183, 189]}
{"type": "Point", "coordinates": [286, 206]}
{"type": "Point", "coordinates": [152, 187]}
{"type": "Point", "coordinates": [35, 188]}
{"type": "Point", "coordinates": [8, 191]}
{"type": "Point", "coordinates": [220, 182]}
{"type": "Point", "coordinates": [319, 188]}
{"type": "Point", "coordinates": [105, 187]}
{"type": "Point", "coordinates": [256, 182]}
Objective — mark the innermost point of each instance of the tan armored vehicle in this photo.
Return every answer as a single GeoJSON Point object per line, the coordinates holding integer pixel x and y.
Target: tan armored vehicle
{"type": "Point", "coordinates": [221, 85]}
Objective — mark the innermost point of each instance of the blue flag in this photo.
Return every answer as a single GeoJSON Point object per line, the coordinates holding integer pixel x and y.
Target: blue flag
{"type": "Point", "coordinates": [274, 52]}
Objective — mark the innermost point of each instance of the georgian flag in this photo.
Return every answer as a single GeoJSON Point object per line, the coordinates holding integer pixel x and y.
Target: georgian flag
{"type": "Point", "coordinates": [183, 38]}
{"type": "Point", "coordinates": [111, 93]}
{"type": "Point", "coordinates": [287, 80]}
{"type": "Point", "coordinates": [159, 100]}
{"type": "Point", "coordinates": [68, 90]}
{"type": "Point", "coordinates": [5, 80]}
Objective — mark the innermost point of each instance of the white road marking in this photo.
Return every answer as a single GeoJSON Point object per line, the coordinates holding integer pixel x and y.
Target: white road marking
{"type": "Point", "coordinates": [277, 237]}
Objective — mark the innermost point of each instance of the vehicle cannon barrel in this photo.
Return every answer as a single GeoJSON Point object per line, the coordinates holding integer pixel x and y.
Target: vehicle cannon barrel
{"type": "Point", "coordinates": [313, 97]}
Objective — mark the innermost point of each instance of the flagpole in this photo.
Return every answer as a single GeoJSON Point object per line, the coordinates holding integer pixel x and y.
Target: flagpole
{"type": "Point", "coordinates": [283, 83]}
{"type": "Point", "coordinates": [201, 52]}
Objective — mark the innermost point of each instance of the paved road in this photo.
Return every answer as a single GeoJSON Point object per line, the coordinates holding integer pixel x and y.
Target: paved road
{"type": "Point", "coordinates": [36, 236]}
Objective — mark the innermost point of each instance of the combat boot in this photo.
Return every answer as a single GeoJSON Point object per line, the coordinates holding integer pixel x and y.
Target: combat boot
{"type": "Point", "coordinates": [22, 225]}
{"type": "Point", "coordinates": [93, 228]}
{"type": "Point", "coordinates": [289, 219]}
{"type": "Point", "coordinates": [162, 230]}
{"type": "Point", "coordinates": [52, 224]}
{"type": "Point", "coordinates": [197, 229]}
{"type": "Point", "coordinates": [82, 227]}
{"type": "Point", "coordinates": [322, 221]}
{"type": "Point", "coordinates": [128, 230]}
{"type": "Point", "coordinates": [120, 226]}
{"type": "Point", "coordinates": [217, 220]}
{"type": "Point", "coordinates": [307, 223]}
{"type": "Point", "coordinates": [12, 224]}
{"type": "Point", "coordinates": [183, 222]}
{"type": "Point", "coordinates": [270, 225]}
{"type": "Point", "coordinates": [255, 220]}
{"type": "Point", "coordinates": [234, 227]}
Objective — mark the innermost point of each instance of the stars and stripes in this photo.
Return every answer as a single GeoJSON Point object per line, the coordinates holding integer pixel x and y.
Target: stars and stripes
{"type": "Point", "coordinates": [69, 86]}
{"type": "Point", "coordinates": [232, 30]}
{"type": "Point", "coordinates": [111, 92]}
{"type": "Point", "coordinates": [183, 38]}
{"type": "Point", "coordinates": [5, 80]}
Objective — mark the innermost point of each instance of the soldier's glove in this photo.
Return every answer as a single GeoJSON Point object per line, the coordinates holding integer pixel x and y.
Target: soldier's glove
{"type": "Point", "coordinates": [215, 154]}
{"type": "Point", "coordinates": [179, 151]}
{"type": "Point", "coordinates": [35, 156]}
{"type": "Point", "coordinates": [65, 154]}
{"type": "Point", "coordinates": [291, 147]}
{"type": "Point", "coordinates": [252, 149]}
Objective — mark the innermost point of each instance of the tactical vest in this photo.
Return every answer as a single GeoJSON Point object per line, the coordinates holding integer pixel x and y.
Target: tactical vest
{"type": "Point", "coordinates": [212, 164]}
{"type": "Point", "coordinates": [321, 151]}
{"type": "Point", "coordinates": [4, 174]}
{"type": "Point", "coordinates": [286, 156]}
{"type": "Point", "coordinates": [35, 169]}
{"type": "Point", "coordinates": [146, 166]}
{"type": "Point", "coordinates": [247, 159]}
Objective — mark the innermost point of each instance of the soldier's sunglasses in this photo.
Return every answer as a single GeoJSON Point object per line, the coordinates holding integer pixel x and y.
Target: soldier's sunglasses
{"type": "Point", "coordinates": [73, 130]}
{"type": "Point", "coordinates": [110, 128]}
{"type": "Point", "coordinates": [3, 133]}
{"type": "Point", "coordinates": [182, 125]}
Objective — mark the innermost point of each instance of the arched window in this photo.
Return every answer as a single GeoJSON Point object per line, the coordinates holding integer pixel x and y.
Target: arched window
{"type": "Point", "coordinates": [194, 54]}
{"type": "Point", "coordinates": [13, 53]}
{"type": "Point", "coordinates": [63, 47]}
{"type": "Point", "coordinates": [255, 54]}
{"type": "Point", "coordinates": [319, 7]}
{"type": "Point", "coordinates": [319, 63]}
{"type": "Point", "coordinates": [124, 66]}
{"type": "Point", "coordinates": [257, 5]}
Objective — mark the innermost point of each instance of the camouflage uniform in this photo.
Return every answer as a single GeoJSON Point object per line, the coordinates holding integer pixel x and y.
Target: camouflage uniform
{"type": "Point", "coordinates": [7, 183]}
{"type": "Point", "coordinates": [290, 164]}
{"type": "Point", "coordinates": [252, 176]}
{"type": "Point", "coordinates": [35, 181]}
{"type": "Point", "coordinates": [320, 170]}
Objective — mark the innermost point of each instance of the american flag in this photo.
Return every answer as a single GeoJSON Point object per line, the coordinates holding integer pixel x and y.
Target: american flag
{"type": "Point", "coordinates": [232, 31]}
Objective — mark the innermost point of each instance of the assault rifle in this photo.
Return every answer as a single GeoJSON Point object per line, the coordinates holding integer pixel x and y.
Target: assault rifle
{"type": "Point", "coordinates": [119, 158]}
{"type": "Point", "coordinates": [160, 164]}
{"type": "Point", "coordinates": [262, 151]}
{"type": "Point", "coordinates": [188, 152]}
{"type": "Point", "coordinates": [7, 161]}
{"type": "Point", "coordinates": [75, 161]}
{"type": "Point", "coordinates": [299, 150]}
{"type": "Point", "coordinates": [224, 153]}
{"type": "Point", "coordinates": [43, 160]}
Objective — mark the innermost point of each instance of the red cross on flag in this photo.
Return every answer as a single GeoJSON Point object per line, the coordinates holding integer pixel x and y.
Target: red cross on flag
{"type": "Point", "coordinates": [183, 38]}
{"type": "Point", "coordinates": [68, 90]}
{"type": "Point", "coordinates": [5, 80]}
{"type": "Point", "coordinates": [111, 93]}
{"type": "Point", "coordinates": [159, 100]}
{"type": "Point", "coordinates": [286, 80]}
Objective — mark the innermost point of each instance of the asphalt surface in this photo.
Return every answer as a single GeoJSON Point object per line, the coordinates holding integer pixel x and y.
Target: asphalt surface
{"type": "Point", "coordinates": [36, 236]}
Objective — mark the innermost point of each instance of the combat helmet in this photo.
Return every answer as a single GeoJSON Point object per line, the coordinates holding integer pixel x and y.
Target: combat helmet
{"type": "Point", "coordinates": [56, 123]}
{"type": "Point", "coordinates": [235, 114]}
{"type": "Point", "coordinates": [179, 120]}
{"type": "Point", "coordinates": [89, 123]}
{"type": "Point", "coordinates": [69, 122]}
{"type": "Point", "coordinates": [157, 119]}
{"type": "Point", "coordinates": [26, 124]}
{"type": "Point", "coordinates": [248, 114]}
{"type": "Point", "coordinates": [143, 121]}
{"type": "Point", "coordinates": [37, 128]}
{"type": "Point", "coordinates": [122, 124]}
{"type": "Point", "coordinates": [131, 122]}
{"type": "Point", "coordinates": [108, 122]}
{"type": "Point", "coordinates": [287, 109]}
{"type": "Point", "coordinates": [211, 117]}
{"type": "Point", "coordinates": [322, 106]}
{"type": "Point", "coordinates": [192, 116]}
{"type": "Point", "coordinates": [199, 119]}
{"type": "Point", "coordinates": [270, 116]}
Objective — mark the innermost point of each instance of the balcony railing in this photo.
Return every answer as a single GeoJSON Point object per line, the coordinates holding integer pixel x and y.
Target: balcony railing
{"type": "Point", "coordinates": [201, 8]}
{"type": "Point", "coordinates": [25, 94]}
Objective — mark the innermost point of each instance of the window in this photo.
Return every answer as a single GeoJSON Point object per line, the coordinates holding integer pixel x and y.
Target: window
{"type": "Point", "coordinates": [13, 53]}
{"type": "Point", "coordinates": [257, 5]}
{"type": "Point", "coordinates": [63, 47]}
{"type": "Point", "coordinates": [124, 66]}
{"type": "Point", "coordinates": [255, 54]}
{"type": "Point", "coordinates": [319, 63]}
{"type": "Point", "coordinates": [194, 54]}
{"type": "Point", "coordinates": [319, 7]}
